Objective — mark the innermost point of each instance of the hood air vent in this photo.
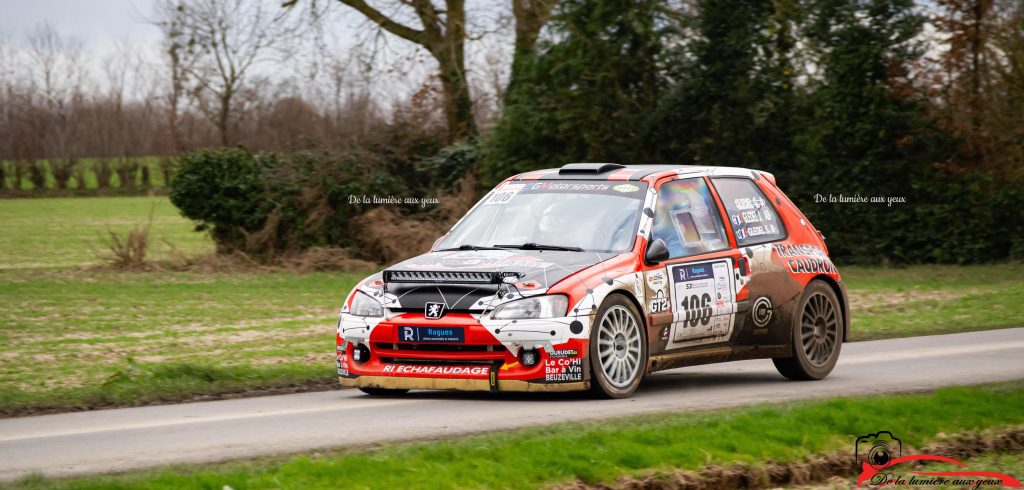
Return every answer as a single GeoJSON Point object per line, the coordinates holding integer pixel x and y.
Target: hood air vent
{"type": "Point", "coordinates": [443, 277]}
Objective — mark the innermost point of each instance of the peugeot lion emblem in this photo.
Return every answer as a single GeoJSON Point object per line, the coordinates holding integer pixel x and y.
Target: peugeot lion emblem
{"type": "Point", "coordinates": [433, 311]}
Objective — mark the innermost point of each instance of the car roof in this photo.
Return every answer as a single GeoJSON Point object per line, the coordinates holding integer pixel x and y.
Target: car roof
{"type": "Point", "coordinates": [619, 172]}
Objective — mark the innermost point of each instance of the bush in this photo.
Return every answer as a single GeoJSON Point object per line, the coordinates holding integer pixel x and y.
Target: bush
{"type": "Point", "coordinates": [222, 190]}
{"type": "Point", "coordinates": [272, 207]}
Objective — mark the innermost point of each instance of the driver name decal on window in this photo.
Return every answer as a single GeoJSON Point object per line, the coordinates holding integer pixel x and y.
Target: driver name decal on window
{"type": "Point", "coordinates": [752, 217]}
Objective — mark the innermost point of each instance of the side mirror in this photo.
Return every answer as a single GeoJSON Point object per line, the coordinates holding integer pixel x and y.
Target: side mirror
{"type": "Point", "coordinates": [657, 252]}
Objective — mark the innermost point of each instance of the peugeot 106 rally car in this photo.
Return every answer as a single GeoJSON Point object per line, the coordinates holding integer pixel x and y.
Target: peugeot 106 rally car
{"type": "Point", "coordinates": [594, 275]}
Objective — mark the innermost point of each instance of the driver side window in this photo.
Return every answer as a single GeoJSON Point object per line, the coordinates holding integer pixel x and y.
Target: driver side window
{"type": "Point", "coordinates": [687, 219]}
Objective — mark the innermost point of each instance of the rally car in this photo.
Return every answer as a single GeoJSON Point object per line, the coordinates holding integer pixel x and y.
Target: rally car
{"type": "Point", "coordinates": [591, 276]}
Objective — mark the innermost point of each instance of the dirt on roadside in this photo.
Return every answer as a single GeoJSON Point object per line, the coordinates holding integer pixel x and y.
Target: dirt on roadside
{"type": "Point", "coordinates": [832, 468]}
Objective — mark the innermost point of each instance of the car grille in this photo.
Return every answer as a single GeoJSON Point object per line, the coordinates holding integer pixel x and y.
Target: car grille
{"type": "Point", "coordinates": [439, 354]}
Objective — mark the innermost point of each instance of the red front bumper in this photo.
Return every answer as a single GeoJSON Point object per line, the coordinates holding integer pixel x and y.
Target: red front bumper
{"type": "Point", "coordinates": [477, 362]}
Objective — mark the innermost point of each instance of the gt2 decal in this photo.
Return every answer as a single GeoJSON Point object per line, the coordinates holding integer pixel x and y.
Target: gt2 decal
{"type": "Point", "coordinates": [703, 301]}
{"type": "Point", "coordinates": [660, 304]}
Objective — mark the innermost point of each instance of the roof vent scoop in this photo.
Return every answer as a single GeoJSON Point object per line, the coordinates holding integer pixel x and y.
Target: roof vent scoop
{"type": "Point", "coordinates": [588, 168]}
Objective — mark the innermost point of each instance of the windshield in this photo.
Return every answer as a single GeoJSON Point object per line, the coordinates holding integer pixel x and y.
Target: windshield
{"type": "Point", "coordinates": [595, 216]}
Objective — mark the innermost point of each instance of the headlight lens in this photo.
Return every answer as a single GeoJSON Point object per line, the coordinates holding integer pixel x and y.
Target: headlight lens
{"type": "Point", "coordinates": [549, 306]}
{"type": "Point", "coordinates": [364, 305]}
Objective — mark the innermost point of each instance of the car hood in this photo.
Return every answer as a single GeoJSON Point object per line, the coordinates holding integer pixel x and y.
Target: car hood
{"type": "Point", "coordinates": [537, 270]}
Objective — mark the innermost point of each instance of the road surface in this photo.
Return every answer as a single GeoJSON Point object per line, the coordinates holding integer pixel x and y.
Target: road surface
{"type": "Point", "coordinates": [128, 438]}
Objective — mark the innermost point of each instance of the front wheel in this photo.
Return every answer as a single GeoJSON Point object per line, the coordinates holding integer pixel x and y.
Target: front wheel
{"type": "Point", "coordinates": [817, 335]}
{"type": "Point", "coordinates": [618, 349]}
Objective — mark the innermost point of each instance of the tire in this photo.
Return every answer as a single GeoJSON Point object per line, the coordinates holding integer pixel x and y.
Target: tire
{"type": "Point", "coordinates": [383, 391]}
{"type": "Point", "coordinates": [619, 332]}
{"type": "Point", "coordinates": [817, 335]}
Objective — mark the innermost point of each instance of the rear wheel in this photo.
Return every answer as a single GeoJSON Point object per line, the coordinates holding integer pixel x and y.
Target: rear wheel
{"type": "Point", "coordinates": [618, 349]}
{"type": "Point", "coordinates": [817, 335]}
{"type": "Point", "coordinates": [382, 391]}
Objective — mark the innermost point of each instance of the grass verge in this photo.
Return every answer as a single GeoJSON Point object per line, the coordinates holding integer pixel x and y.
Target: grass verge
{"type": "Point", "coordinates": [79, 339]}
{"type": "Point", "coordinates": [934, 299]}
{"type": "Point", "coordinates": [606, 450]}
{"type": "Point", "coordinates": [69, 232]}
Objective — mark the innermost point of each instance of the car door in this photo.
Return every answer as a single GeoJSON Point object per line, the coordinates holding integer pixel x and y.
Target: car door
{"type": "Point", "coordinates": [692, 294]}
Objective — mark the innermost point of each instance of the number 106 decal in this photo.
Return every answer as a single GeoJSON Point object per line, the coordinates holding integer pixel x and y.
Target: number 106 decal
{"type": "Point", "coordinates": [704, 303]}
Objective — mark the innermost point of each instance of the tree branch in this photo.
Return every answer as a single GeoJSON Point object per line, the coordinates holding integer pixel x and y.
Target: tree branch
{"type": "Point", "coordinates": [386, 23]}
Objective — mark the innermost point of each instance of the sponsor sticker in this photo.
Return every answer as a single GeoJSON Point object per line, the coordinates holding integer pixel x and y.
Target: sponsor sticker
{"type": "Point", "coordinates": [625, 188]}
{"type": "Point", "coordinates": [656, 279]}
{"type": "Point", "coordinates": [563, 370]}
{"type": "Point", "coordinates": [762, 311]}
{"type": "Point", "coordinates": [480, 371]}
{"type": "Point", "coordinates": [441, 335]}
{"type": "Point", "coordinates": [564, 353]}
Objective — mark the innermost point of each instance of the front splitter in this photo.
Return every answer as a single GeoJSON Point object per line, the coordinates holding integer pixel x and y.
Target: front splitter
{"type": "Point", "coordinates": [402, 383]}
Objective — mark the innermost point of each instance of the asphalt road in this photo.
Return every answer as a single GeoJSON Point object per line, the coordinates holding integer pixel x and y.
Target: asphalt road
{"type": "Point", "coordinates": [122, 439]}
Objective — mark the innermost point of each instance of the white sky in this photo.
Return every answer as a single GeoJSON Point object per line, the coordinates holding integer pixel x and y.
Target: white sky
{"type": "Point", "coordinates": [98, 24]}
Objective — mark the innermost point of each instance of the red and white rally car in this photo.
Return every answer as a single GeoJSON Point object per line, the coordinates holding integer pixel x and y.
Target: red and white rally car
{"type": "Point", "coordinates": [594, 275]}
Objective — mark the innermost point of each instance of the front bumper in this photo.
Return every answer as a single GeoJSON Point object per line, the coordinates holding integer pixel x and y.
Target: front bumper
{"type": "Point", "coordinates": [479, 361]}
{"type": "Point", "coordinates": [458, 384]}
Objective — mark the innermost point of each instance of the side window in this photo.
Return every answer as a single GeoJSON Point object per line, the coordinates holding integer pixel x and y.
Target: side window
{"type": "Point", "coordinates": [687, 219]}
{"type": "Point", "coordinates": [753, 218]}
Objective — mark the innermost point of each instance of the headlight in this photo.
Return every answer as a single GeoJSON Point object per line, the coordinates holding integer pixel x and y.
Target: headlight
{"type": "Point", "coordinates": [538, 307]}
{"type": "Point", "coordinates": [364, 305]}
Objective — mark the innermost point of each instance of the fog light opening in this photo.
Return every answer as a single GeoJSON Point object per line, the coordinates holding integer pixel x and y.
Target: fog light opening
{"type": "Point", "coordinates": [529, 358]}
{"type": "Point", "coordinates": [360, 353]}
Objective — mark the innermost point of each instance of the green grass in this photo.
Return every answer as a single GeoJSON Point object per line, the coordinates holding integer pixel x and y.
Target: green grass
{"type": "Point", "coordinates": [78, 337]}
{"type": "Point", "coordinates": [69, 232]}
{"type": "Point", "coordinates": [934, 299]}
{"type": "Point", "coordinates": [605, 450]}
{"type": "Point", "coordinates": [84, 338]}
{"type": "Point", "coordinates": [89, 164]}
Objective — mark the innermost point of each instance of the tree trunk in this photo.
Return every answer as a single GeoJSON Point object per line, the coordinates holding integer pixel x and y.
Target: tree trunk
{"type": "Point", "coordinates": [458, 105]}
{"type": "Point", "coordinates": [223, 115]}
{"type": "Point", "coordinates": [530, 17]}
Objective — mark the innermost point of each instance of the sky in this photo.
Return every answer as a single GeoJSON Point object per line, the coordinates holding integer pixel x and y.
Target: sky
{"type": "Point", "coordinates": [98, 24]}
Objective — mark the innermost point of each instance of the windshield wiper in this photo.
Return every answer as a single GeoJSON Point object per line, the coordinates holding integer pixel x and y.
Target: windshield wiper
{"type": "Point", "coordinates": [466, 247]}
{"type": "Point", "coordinates": [539, 246]}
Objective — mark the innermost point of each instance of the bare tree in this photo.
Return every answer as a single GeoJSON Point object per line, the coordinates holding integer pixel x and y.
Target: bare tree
{"type": "Point", "coordinates": [60, 73]}
{"type": "Point", "coordinates": [221, 40]}
{"type": "Point", "coordinates": [442, 33]}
